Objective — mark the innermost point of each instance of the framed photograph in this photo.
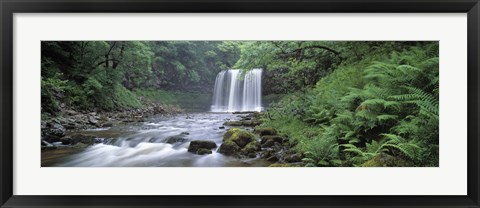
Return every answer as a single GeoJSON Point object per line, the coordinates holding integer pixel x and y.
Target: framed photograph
{"type": "Point", "coordinates": [265, 103]}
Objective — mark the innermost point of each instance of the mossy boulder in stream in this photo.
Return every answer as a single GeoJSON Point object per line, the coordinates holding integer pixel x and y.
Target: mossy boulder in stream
{"type": "Point", "coordinates": [201, 147]}
{"type": "Point", "coordinates": [239, 142]}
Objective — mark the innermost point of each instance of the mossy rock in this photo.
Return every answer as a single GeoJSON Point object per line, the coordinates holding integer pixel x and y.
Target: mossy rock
{"type": "Point", "coordinates": [250, 148]}
{"type": "Point", "coordinates": [386, 160]}
{"type": "Point", "coordinates": [269, 140]}
{"type": "Point", "coordinates": [283, 165]}
{"type": "Point", "coordinates": [201, 146]}
{"type": "Point", "coordinates": [229, 148]}
{"type": "Point", "coordinates": [203, 151]}
{"type": "Point", "coordinates": [239, 136]}
{"type": "Point", "coordinates": [262, 131]}
{"type": "Point", "coordinates": [239, 142]}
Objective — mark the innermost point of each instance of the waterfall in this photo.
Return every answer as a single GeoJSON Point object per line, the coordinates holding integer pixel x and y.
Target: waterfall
{"type": "Point", "coordinates": [231, 93]}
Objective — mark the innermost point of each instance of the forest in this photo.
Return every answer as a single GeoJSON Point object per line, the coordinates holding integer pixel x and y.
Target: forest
{"type": "Point", "coordinates": [240, 103]}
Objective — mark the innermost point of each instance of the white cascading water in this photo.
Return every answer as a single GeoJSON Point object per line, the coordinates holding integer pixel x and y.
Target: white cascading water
{"type": "Point", "coordinates": [232, 94]}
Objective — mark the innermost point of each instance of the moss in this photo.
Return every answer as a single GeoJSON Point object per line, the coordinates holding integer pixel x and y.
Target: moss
{"type": "Point", "coordinates": [239, 136]}
{"type": "Point", "coordinates": [251, 147]}
{"type": "Point", "coordinates": [228, 148]}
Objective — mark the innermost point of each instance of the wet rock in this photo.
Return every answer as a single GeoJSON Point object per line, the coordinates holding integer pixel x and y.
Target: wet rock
{"type": "Point", "coordinates": [107, 124]}
{"type": "Point", "coordinates": [203, 151]}
{"type": "Point", "coordinates": [84, 138]}
{"type": "Point", "coordinates": [251, 148]}
{"type": "Point", "coordinates": [43, 124]}
{"type": "Point", "coordinates": [71, 112]}
{"type": "Point", "coordinates": [66, 140]}
{"type": "Point", "coordinates": [175, 139]}
{"type": "Point", "coordinates": [239, 136]}
{"type": "Point", "coordinates": [273, 158]}
{"type": "Point", "coordinates": [45, 143]}
{"type": "Point", "coordinates": [239, 142]}
{"type": "Point", "coordinates": [185, 133]}
{"type": "Point", "coordinates": [269, 140]}
{"type": "Point", "coordinates": [92, 120]}
{"type": "Point", "coordinates": [229, 148]}
{"type": "Point", "coordinates": [200, 146]}
{"type": "Point", "coordinates": [233, 123]}
{"type": "Point", "coordinates": [54, 133]}
{"type": "Point", "coordinates": [262, 131]}
{"type": "Point", "coordinates": [221, 127]}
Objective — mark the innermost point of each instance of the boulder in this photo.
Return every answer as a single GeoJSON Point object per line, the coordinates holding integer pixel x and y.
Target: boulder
{"type": "Point", "coordinates": [203, 151]}
{"type": "Point", "coordinates": [66, 140]}
{"type": "Point", "coordinates": [269, 140]}
{"type": "Point", "coordinates": [229, 148]}
{"type": "Point", "coordinates": [71, 112]}
{"type": "Point", "coordinates": [239, 142]}
{"type": "Point", "coordinates": [239, 136]}
{"type": "Point", "coordinates": [54, 133]}
{"type": "Point", "coordinates": [84, 138]}
{"type": "Point", "coordinates": [92, 120]}
{"type": "Point", "coordinates": [201, 146]}
{"type": "Point", "coordinates": [175, 139]}
{"type": "Point", "coordinates": [273, 158]}
{"type": "Point", "coordinates": [262, 131]}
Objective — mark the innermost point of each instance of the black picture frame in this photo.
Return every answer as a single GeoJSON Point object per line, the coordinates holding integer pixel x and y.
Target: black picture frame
{"type": "Point", "coordinates": [9, 7]}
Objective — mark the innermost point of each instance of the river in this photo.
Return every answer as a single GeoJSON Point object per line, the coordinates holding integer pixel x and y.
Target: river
{"type": "Point", "coordinates": [158, 142]}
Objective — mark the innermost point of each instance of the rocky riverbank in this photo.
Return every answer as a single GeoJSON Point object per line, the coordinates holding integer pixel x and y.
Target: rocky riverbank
{"type": "Point", "coordinates": [244, 142]}
{"type": "Point", "coordinates": [54, 129]}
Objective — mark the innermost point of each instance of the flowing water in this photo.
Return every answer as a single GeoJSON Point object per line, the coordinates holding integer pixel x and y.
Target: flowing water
{"type": "Point", "coordinates": [159, 142]}
{"type": "Point", "coordinates": [234, 92]}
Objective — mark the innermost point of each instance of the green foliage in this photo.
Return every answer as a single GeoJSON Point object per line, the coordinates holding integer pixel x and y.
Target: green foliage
{"type": "Point", "coordinates": [102, 74]}
{"type": "Point", "coordinates": [53, 88]}
{"type": "Point", "coordinates": [383, 106]}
